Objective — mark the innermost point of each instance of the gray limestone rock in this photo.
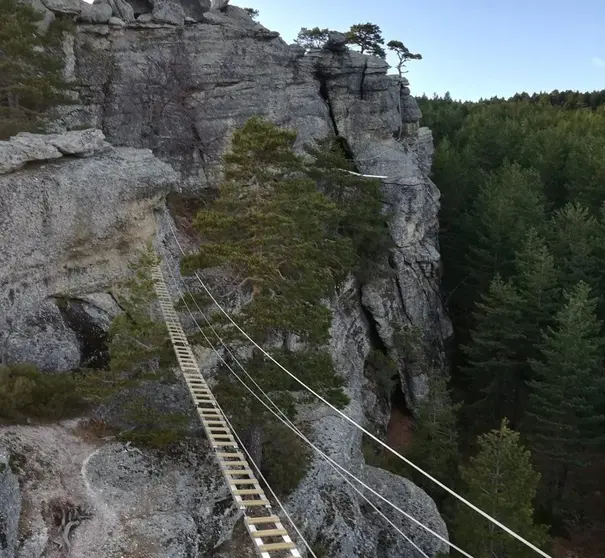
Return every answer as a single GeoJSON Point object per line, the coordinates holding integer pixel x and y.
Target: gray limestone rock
{"type": "Point", "coordinates": [25, 147]}
{"type": "Point", "coordinates": [63, 232]}
{"type": "Point", "coordinates": [10, 507]}
{"type": "Point", "coordinates": [337, 42]}
{"type": "Point", "coordinates": [195, 9]}
{"type": "Point", "coordinates": [145, 18]}
{"type": "Point", "coordinates": [116, 22]}
{"type": "Point", "coordinates": [95, 13]}
{"type": "Point", "coordinates": [42, 339]}
{"type": "Point", "coordinates": [410, 111]}
{"type": "Point", "coordinates": [168, 11]}
{"type": "Point", "coordinates": [219, 4]}
{"type": "Point", "coordinates": [63, 6]}
{"type": "Point", "coordinates": [120, 9]}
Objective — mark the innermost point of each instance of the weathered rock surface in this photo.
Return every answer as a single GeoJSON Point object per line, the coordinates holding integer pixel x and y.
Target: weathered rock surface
{"type": "Point", "coordinates": [168, 11]}
{"type": "Point", "coordinates": [95, 13]}
{"type": "Point", "coordinates": [119, 8]}
{"type": "Point", "coordinates": [153, 506]}
{"type": "Point", "coordinates": [10, 506]}
{"type": "Point", "coordinates": [181, 92]}
{"type": "Point", "coordinates": [219, 4]}
{"type": "Point", "coordinates": [67, 227]}
{"type": "Point", "coordinates": [63, 6]}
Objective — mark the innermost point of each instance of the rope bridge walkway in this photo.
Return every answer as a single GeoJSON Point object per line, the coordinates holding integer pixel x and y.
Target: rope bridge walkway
{"type": "Point", "coordinates": [264, 527]}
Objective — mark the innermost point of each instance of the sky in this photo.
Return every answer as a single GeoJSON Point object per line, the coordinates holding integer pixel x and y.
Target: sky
{"type": "Point", "coordinates": [472, 48]}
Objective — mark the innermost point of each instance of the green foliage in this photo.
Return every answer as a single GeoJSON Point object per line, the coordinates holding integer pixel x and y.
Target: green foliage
{"type": "Point", "coordinates": [26, 393]}
{"type": "Point", "coordinates": [154, 430]}
{"type": "Point", "coordinates": [501, 480]}
{"type": "Point", "coordinates": [286, 459]}
{"type": "Point", "coordinates": [507, 205]}
{"type": "Point", "coordinates": [136, 339]}
{"type": "Point", "coordinates": [565, 421]}
{"type": "Point", "coordinates": [253, 13]}
{"type": "Point", "coordinates": [30, 74]}
{"type": "Point", "coordinates": [368, 37]}
{"type": "Point", "coordinates": [312, 38]}
{"type": "Point", "coordinates": [494, 370]}
{"type": "Point", "coordinates": [274, 230]}
{"type": "Point", "coordinates": [522, 196]}
{"type": "Point", "coordinates": [435, 443]}
{"type": "Point", "coordinates": [364, 218]}
{"type": "Point", "coordinates": [403, 55]}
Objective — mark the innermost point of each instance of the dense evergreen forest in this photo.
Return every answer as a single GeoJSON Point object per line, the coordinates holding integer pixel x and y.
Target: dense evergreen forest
{"type": "Point", "coordinates": [523, 244]}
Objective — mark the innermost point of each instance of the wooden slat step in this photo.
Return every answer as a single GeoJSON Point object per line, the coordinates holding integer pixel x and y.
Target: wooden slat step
{"type": "Point", "coordinates": [224, 444]}
{"type": "Point", "coordinates": [276, 546]}
{"type": "Point", "coordinates": [211, 422]}
{"type": "Point", "coordinates": [237, 482]}
{"type": "Point", "coordinates": [232, 463]}
{"type": "Point", "coordinates": [254, 503]}
{"type": "Point", "coordinates": [251, 491]}
{"type": "Point", "coordinates": [227, 454]}
{"type": "Point", "coordinates": [220, 437]}
{"type": "Point", "coordinates": [262, 520]}
{"type": "Point", "coordinates": [269, 533]}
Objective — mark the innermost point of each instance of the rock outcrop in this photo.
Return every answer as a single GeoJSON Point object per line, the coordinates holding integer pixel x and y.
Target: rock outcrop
{"type": "Point", "coordinates": [10, 507]}
{"type": "Point", "coordinates": [73, 213]}
{"type": "Point", "coordinates": [165, 94]}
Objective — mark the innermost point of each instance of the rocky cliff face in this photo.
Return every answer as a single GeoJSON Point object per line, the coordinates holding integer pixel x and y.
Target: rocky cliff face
{"type": "Point", "coordinates": [167, 91]}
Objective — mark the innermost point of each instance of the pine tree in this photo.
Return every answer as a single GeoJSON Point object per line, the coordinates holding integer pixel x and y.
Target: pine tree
{"type": "Point", "coordinates": [500, 480]}
{"type": "Point", "coordinates": [312, 38]}
{"type": "Point", "coordinates": [435, 442]}
{"type": "Point", "coordinates": [277, 233]}
{"type": "Point", "coordinates": [576, 238]}
{"type": "Point", "coordinates": [403, 55]}
{"type": "Point", "coordinates": [564, 423]}
{"type": "Point", "coordinates": [494, 370]}
{"type": "Point", "coordinates": [368, 37]}
{"type": "Point", "coordinates": [536, 282]}
{"type": "Point", "coordinates": [30, 75]}
{"type": "Point", "coordinates": [507, 205]}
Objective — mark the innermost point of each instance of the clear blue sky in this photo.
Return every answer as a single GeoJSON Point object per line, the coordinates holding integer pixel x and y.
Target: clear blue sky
{"type": "Point", "coordinates": [472, 48]}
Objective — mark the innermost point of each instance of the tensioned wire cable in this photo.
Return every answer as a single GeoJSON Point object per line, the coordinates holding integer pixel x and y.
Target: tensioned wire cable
{"type": "Point", "coordinates": [239, 441]}
{"type": "Point", "coordinates": [287, 422]}
{"type": "Point", "coordinates": [364, 430]}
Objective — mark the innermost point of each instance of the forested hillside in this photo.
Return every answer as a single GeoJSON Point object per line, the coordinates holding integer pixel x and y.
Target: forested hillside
{"type": "Point", "coordinates": [523, 244]}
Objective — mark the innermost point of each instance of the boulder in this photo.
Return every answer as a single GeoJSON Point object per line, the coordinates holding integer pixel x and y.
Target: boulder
{"type": "Point", "coordinates": [410, 111]}
{"type": "Point", "coordinates": [117, 22]}
{"type": "Point", "coordinates": [95, 13]}
{"type": "Point", "coordinates": [168, 11]}
{"type": "Point", "coordinates": [119, 9]}
{"type": "Point", "coordinates": [337, 42]}
{"type": "Point", "coordinates": [63, 6]}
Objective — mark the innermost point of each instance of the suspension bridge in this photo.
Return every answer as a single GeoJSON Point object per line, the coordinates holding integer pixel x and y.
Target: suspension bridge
{"type": "Point", "coordinates": [268, 534]}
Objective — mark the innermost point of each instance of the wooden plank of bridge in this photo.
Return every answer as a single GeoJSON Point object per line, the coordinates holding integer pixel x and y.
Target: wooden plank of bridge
{"type": "Point", "coordinates": [232, 463]}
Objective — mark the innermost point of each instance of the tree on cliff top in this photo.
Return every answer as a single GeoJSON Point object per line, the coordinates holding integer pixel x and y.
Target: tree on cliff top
{"type": "Point", "coordinates": [368, 37]}
{"type": "Point", "coordinates": [403, 54]}
{"type": "Point", "coordinates": [30, 75]}
{"type": "Point", "coordinates": [312, 38]}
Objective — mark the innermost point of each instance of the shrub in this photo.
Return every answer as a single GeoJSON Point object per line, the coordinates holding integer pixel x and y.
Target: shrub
{"type": "Point", "coordinates": [26, 393]}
